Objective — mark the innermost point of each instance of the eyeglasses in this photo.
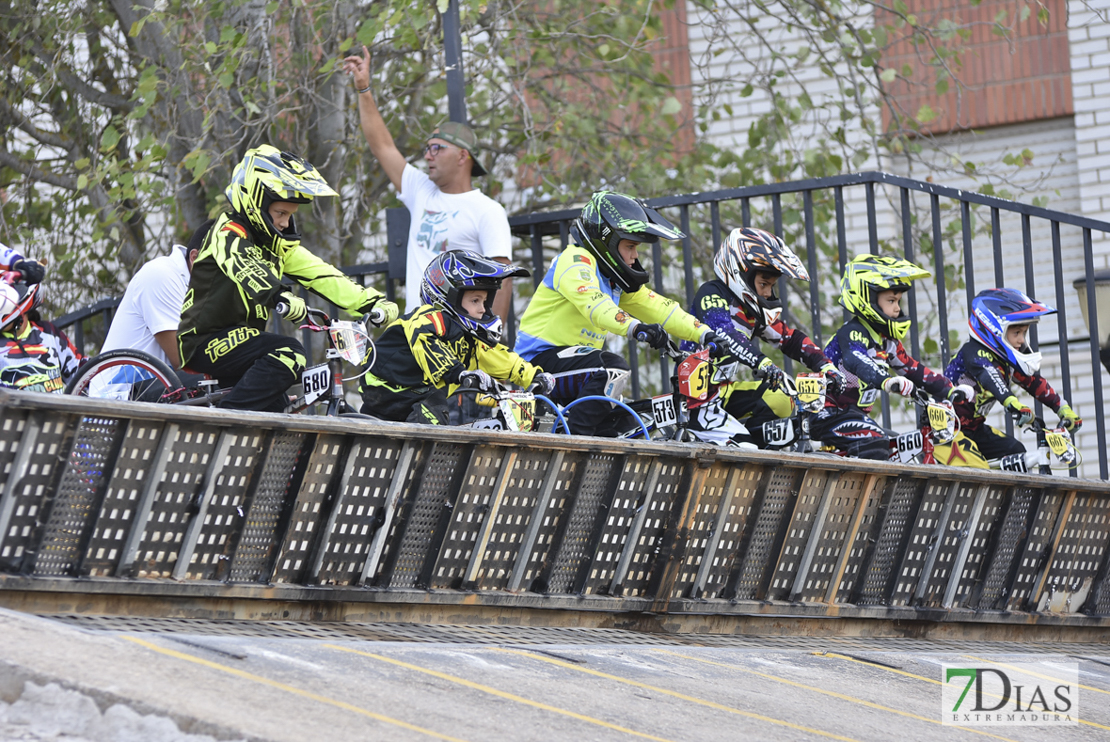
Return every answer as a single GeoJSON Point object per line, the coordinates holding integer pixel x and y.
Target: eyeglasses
{"type": "Point", "coordinates": [435, 149]}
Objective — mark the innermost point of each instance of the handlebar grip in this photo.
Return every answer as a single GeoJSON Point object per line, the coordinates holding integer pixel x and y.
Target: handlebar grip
{"type": "Point", "coordinates": [468, 382]}
{"type": "Point", "coordinates": [281, 309]}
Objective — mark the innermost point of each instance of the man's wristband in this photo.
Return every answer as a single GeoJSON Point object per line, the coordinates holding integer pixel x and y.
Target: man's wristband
{"type": "Point", "coordinates": [363, 90]}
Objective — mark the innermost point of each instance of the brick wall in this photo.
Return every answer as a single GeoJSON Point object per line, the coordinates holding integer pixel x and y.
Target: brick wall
{"type": "Point", "coordinates": [1089, 37]}
{"type": "Point", "coordinates": [1003, 80]}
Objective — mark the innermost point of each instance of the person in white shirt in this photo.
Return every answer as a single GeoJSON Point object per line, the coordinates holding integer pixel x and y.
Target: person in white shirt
{"type": "Point", "coordinates": [448, 213]}
{"type": "Point", "coordinates": [148, 314]}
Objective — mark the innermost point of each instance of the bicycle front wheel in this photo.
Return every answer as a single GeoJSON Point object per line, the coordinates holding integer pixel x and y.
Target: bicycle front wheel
{"type": "Point", "coordinates": [124, 374]}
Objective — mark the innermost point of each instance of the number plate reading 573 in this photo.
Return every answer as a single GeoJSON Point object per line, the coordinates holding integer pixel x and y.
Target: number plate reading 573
{"type": "Point", "coordinates": [315, 381]}
{"type": "Point", "coordinates": [662, 409]}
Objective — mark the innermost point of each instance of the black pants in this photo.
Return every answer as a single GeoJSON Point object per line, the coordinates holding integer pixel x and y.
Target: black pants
{"type": "Point", "coordinates": [581, 371]}
{"type": "Point", "coordinates": [260, 365]}
{"type": "Point", "coordinates": [426, 404]}
{"type": "Point", "coordinates": [853, 432]}
{"type": "Point", "coordinates": [992, 442]}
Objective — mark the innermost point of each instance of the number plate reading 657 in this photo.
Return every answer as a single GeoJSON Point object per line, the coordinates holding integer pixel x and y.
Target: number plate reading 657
{"type": "Point", "coordinates": [316, 381]}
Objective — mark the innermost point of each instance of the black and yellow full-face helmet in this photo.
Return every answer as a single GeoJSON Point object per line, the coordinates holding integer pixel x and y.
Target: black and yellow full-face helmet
{"type": "Point", "coordinates": [868, 275]}
{"type": "Point", "coordinates": [267, 175]}
{"type": "Point", "coordinates": [610, 217]}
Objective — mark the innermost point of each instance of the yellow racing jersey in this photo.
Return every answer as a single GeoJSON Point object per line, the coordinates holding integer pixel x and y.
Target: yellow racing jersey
{"type": "Point", "coordinates": [427, 348]}
{"type": "Point", "coordinates": [577, 305]}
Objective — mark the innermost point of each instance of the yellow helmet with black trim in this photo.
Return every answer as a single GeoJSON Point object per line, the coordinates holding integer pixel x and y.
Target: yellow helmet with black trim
{"type": "Point", "coordinates": [265, 176]}
{"type": "Point", "coordinates": [865, 277]}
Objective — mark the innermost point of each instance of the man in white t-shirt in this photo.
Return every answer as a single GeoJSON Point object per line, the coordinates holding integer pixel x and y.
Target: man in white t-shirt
{"type": "Point", "coordinates": [448, 213]}
{"type": "Point", "coordinates": [150, 310]}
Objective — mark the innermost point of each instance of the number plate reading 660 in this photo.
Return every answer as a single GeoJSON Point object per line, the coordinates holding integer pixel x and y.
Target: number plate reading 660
{"type": "Point", "coordinates": [316, 381]}
{"type": "Point", "coordinates": [662, 409]}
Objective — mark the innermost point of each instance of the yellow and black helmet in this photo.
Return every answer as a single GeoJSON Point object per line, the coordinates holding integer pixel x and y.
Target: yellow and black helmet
{"type": "Point", "coordinates": [867, 275]}
{"type": "Point", "coordinates": [267, 175]}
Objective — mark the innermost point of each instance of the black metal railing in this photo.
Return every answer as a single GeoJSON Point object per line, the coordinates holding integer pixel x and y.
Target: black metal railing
{"type": "Point", "coordinates": [813, 215]}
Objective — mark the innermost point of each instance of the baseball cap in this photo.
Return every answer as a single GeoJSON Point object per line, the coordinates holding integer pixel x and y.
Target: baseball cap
{"type": "Point", "coordinates": [463, 137]}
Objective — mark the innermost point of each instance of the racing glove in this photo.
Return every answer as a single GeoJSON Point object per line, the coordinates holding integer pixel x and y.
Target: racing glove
{"type": "Point", "coordinates": [772, 374]}
{"type": "Point", "coordinates": [543, 383]}
{"type": "Point", "coordinates": [724, 343]}
{"type": "Point", "coordinates": [653, 335]}
{"type": "Point", "coordinates": [898, 385]}
{"type": "Point", "coordinates": [835, 378]}
{"type": "Point", "coordinates": [382, 314]}
{"type": "Point", "coordinates": [478, 379]}
{"type": "Point", "coordinates": [32, 270]}
{"type": "Point", "coordinates": [292, 307]}
{"type": "Point", "coordinates": [1071, 421]}
{"type": "Point", "coordinates": [961, 393]}
{"type": "Point", "coordinates": [1023, 415]}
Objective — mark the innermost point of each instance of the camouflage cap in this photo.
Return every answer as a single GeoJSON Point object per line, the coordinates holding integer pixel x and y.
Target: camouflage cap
{"type": "Point", "coordinates": [463, 137]}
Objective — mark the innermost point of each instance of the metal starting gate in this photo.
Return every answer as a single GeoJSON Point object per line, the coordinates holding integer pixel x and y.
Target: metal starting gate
{"type": "Point", "coordinates": [122, 499]}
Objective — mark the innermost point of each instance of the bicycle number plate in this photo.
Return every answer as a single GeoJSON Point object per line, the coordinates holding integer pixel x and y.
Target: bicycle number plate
{"type": "Point", "coordinates": [778, 432]}
{"type": "Point", "coordinates": [1060, 443]}
{"type": "Point", "coordinates": [909, 446]}
{"type": "Point", "coordinates": [316, 382]}
{"type": "Point", "coordinates": [662, 409]}
{"type": "Point", "coordinates": [811, 391]}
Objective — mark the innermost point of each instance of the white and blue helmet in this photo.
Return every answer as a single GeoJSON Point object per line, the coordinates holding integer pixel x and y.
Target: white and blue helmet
{"type": "Point", "coordinates": [993, 311]}
{"type": "Point", "coordinates": [453, 272]}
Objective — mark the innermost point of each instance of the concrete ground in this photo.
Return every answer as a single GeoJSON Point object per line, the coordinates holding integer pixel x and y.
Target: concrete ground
{"type": "Point", "coordinates": [177, 680]}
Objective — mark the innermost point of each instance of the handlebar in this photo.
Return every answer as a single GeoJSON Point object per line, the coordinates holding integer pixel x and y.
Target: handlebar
{"type": "Point", "coordinates": [10, 277]}
{"type": "Point", "coordinates": [320, 319]}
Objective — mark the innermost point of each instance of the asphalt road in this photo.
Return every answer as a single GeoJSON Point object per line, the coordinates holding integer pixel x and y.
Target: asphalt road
{"type": "Point", "coordinates": [273, 681]}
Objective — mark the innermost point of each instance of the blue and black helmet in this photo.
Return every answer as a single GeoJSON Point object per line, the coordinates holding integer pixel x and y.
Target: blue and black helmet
{"type": "Point", "coordinates": [994, 311]}
{"type": "Point", "coordinates": [453, 272]}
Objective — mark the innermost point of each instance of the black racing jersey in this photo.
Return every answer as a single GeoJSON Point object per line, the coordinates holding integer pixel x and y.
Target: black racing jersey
{"type": "Point", "coordinates": [991, 376]}
{"type": "Point", "coordinates": [426, 348]}
{"type": "Point", "coordinates": [867, 359]}
{"type": "Point", "coordinates": [235, 282]}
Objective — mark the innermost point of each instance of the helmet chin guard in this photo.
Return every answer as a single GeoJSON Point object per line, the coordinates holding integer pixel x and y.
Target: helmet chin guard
{"type": "Point", "coordinates": [994, 312]}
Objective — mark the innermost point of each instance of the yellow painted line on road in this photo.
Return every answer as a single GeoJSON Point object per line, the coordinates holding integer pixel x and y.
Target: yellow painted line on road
{"type": "Point", "coordinates": [676, 694]}
{"type": "Point", "coordinates": [1034, 674]}
{"type": "Point", "coordinates": [289, 689]}
{"type": "Point", "coordinates": [499, 693]}
{"type": "Point", "coordinates": [846, 658]}
{"type": "Point", "coordinates": [834, 694]}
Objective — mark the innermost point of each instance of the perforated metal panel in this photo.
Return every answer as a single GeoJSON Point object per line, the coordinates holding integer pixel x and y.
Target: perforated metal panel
{"type": "Point", "coordinates": [664, 499]}
{"type": "Point", "coordinates": [801, 526]}
{"type": "Point", "coordinates": [258, 539]}
{"type": "Point", "coordinates": [11, 430]}
{"type": "Point", "coordinates": [556, 508]}
{"type": "Point", "coordinates": [77, 499]}
{"type": "Point", "coordinates": [1100, 604]}
{"type": "Point", "coordinates": [618, 519]}
{"type": "Point", "coordinates": [513, 518]}
{"type": "Point", "coordinates": [897, 523]}
{"type": "Point", "coordinates": [117, 510]}
{"type": "Point", "coordinates": [433, 496]}
{"type": "Point", "coordinates": [700, 528]}
{"type": "Point", "coordinates": [1079, 553]}
{"type": "Point", "coordinates": [737, 519]}
{"type": "Point", "coordinates": [28, 495]}
{"type": "Point", "coordinates": [169, 516]}
{"type": "Point", "coordinates": [861, 544]}
{"type": "Point", "coordinates": [1035, 548]}
{"type": "Point", "coordinates": [307, 516]}
{"type": "Point", "coordinates": [777, 503]}
{"type": "Point", "coordinates": [954, 531]}
{"type": "Point", "coordinates": [831, 535]}
{"type": "Point", "coordinates": [924, 525]}
{"type": "Point", "coordinates": [359, 509]}
{"type": "Point", "coordinates": [471, 506]}
{"type": "Point", "coordinates": [591, 496]}
{"type": "Point", "coordinates": [1017, 505]}
{"type": "Point", "coordinates": [975, 565]}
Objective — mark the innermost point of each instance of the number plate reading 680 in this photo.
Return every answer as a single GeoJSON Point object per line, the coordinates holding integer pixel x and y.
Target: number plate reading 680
{"type": "Point", "coordinates": [316, 381]}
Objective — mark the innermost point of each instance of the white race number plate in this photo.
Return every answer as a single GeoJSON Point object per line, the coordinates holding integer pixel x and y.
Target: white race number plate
{"type": "Point", "coordinates": [315, 381]}
{"type": "Point", "coordinates": [662, 409]}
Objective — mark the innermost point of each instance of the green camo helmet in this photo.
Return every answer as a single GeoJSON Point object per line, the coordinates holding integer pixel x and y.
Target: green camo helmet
{"type": "Point", "coordinates": [610, 217]}
{"type": "Point", "coordinates": [868, 275]}
{"type": "Point", "coordinates": [267, 175]}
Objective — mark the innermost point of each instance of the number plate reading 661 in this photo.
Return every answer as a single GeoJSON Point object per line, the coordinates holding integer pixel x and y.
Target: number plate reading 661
{"type": "Point", "coordinates": [662, 409]}
{"type": "Point", "coordinates": [315, 381]}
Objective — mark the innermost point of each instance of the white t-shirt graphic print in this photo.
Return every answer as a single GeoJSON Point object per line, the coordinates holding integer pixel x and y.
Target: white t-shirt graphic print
{"type": "Point", "coordinates": [448, 221]}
